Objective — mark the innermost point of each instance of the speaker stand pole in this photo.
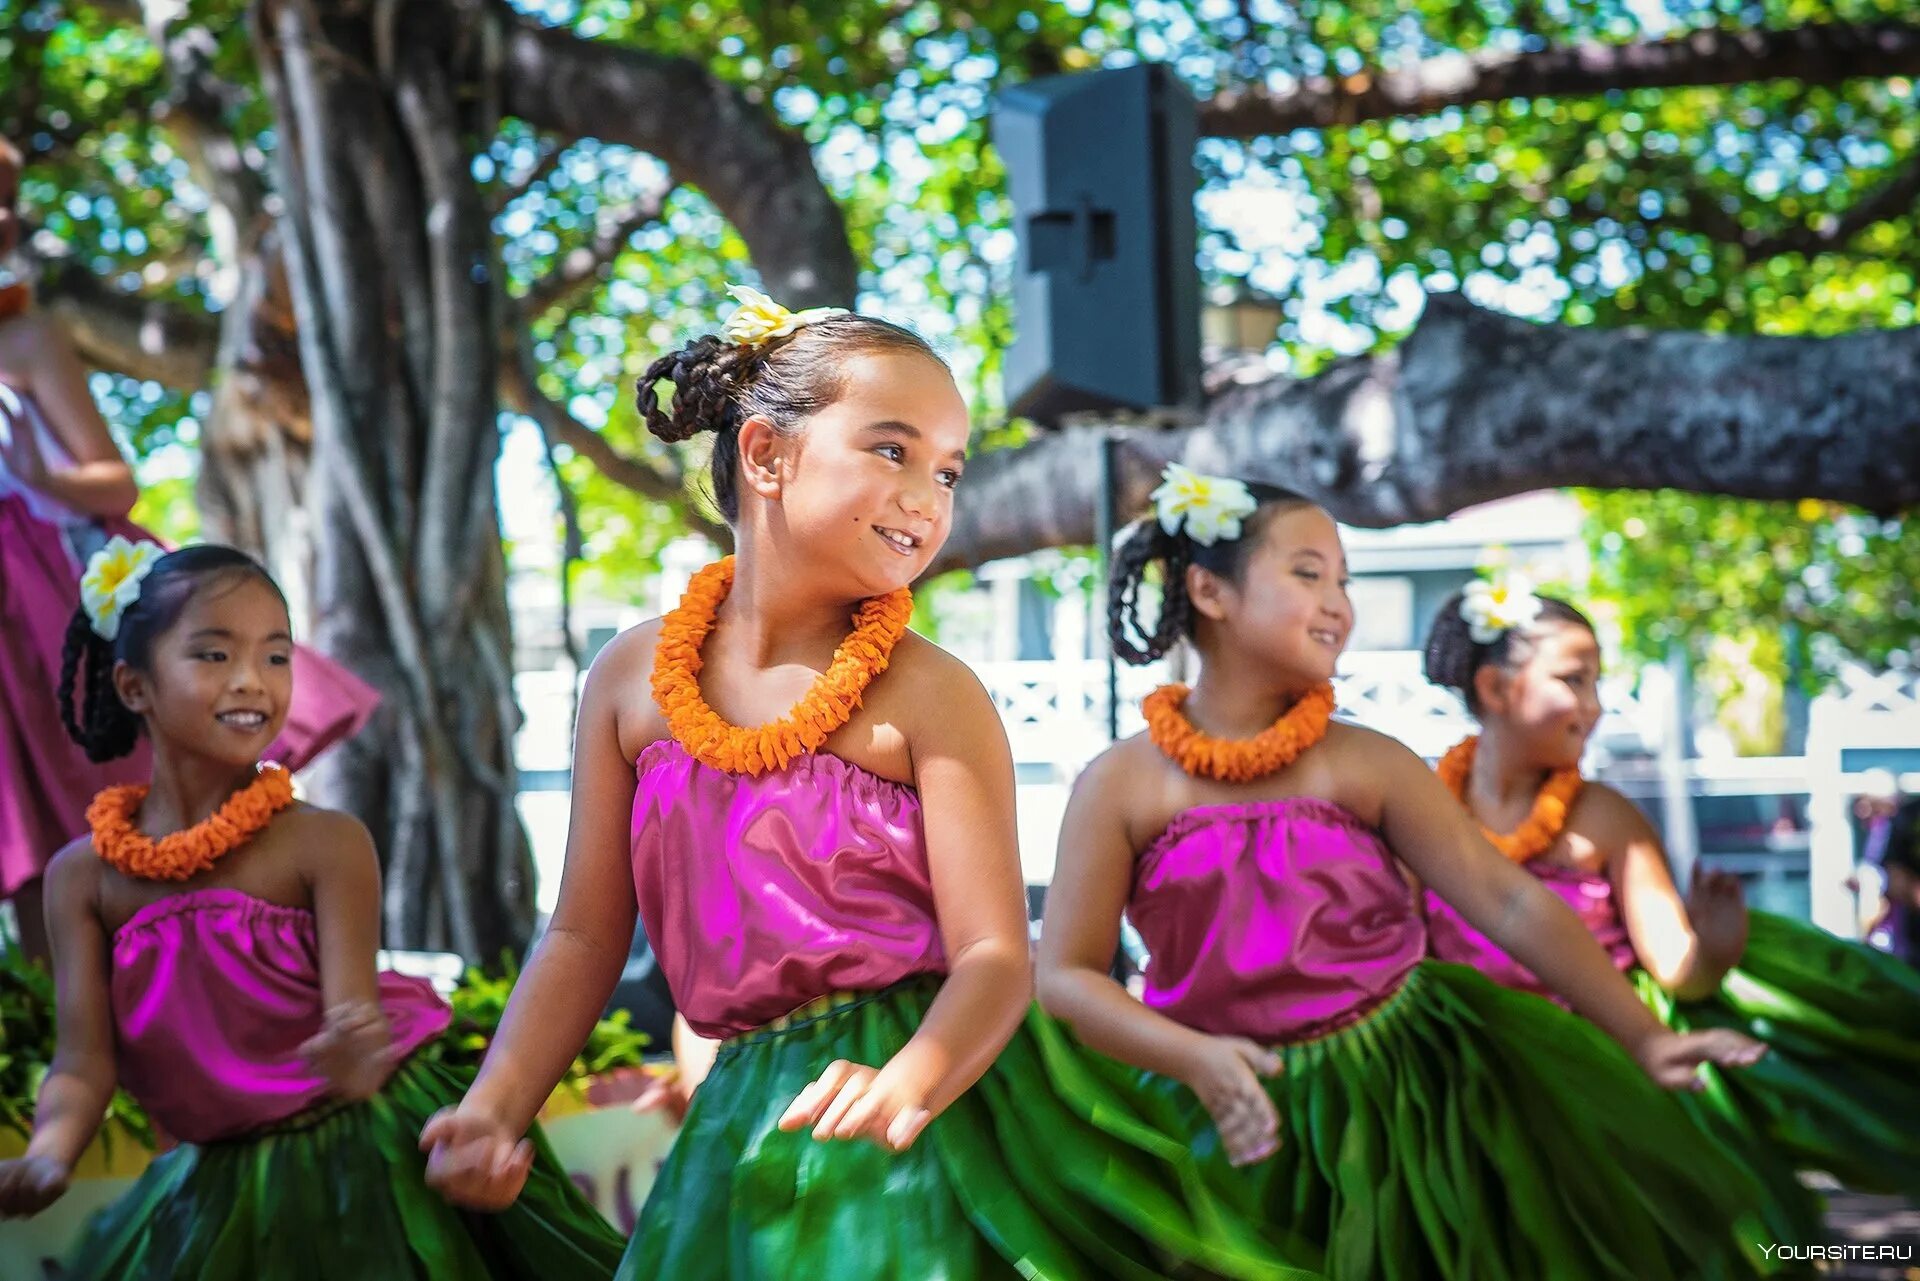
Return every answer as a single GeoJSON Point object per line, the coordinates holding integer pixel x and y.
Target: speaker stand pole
{"type": "Point", "coordinates": [1105, 521]}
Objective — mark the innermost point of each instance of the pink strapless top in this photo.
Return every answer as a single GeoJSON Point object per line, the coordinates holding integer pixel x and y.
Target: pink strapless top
{"type": "Point", "coordinates": [1589, 894]}
{"type": "Point", "coordinates": [213, 992]}
{"type": "Point", "coordinates": [761, 894]}
{"type": "Point", "coordinates": [1273, 920]}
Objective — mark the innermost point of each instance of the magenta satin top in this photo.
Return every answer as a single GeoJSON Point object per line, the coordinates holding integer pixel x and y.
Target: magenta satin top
{"type": "Point", "coordinates": [1273, 920]}
{"type": "Point", "coordinates": [1589, 894]}
{"type": "Point", "coordinates": [761, 894]}
{"type": "Point", "coordinates": [213, 992]}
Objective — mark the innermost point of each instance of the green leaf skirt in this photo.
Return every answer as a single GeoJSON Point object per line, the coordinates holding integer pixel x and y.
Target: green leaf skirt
{"type": "Point", "coordinates": [1010, 1181]}
{"type": "Point", "coordinates": [1463, 1130]}
{"type": "Point", "coordinates": [341, 1194]}
{"type": "Point", "coordinates": [1840, 1090]}
{"type": "Point", "coordinates": [1459, 1131]}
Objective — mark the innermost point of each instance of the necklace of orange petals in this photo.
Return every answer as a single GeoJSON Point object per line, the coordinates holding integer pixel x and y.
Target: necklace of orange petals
{"type": "Point", "coordinates": [190, 852]}
{"type": "Point", "coordinates": [1542, 826]}
{"type": "Point", "coordinates": [14, 301]}
{"type": "Point", "coordinates": [1236, 760]}
{"type": "Point", "coordinates": [877, 627]}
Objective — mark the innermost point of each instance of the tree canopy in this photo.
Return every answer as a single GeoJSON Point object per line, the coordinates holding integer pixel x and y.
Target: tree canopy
{"type": "Point", "coordinates": [1727, 170]}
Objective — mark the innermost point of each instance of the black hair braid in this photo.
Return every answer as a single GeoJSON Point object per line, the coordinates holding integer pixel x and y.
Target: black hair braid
{"type": "Point", "coordinates": [1450, 660]}
{"type": "Point", "coordinates": [1138, 550]}
{"type": "Point", "coordinates": [103, 726]}
{"type": "Point", "coordinates": [705, 374]}
{"type": "Point", "coordinates": [1453, 658]}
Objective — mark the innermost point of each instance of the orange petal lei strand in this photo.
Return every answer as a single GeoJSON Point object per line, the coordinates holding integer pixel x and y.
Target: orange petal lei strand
{"type": "Point", "coordinates": [1236, 760]}
{"type": "Point", "coordinates": [186, 853]}
{"type": "Point", "coordinates": [877, 626]}
{"type": "Point", "coordinates": [1542, 827]}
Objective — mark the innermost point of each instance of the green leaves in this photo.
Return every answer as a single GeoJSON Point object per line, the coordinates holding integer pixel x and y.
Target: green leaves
{"type": "Point", "coordinates": [26, 1051]}
{"type": "Point", "coordinates": [481, 1000]}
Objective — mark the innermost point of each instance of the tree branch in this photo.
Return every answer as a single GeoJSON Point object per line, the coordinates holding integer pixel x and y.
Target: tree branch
{"type": "Point", "coordinates": [1475, 406]}
{"type": "Point", "coordinates": [710, 134]}
{"type": "Point", "coordinates": [1891, 199]}
{"type": "Point", "coordinates": [581, 266]}
{"type": "Point", "coordinates": [128, 334]}
{"type": "Point", "coordinates": [1818, 53]}
{"type": "Point", "coordinates": [518, 389]}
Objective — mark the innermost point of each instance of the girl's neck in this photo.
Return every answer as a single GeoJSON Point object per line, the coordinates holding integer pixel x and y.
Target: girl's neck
{"type": "Point", "coordinates": [1503, 775]}
{"type": "Point", "coordinates": [187, 790]}
{"type": "Point", "coordinates": [771, 613]}
{"type": "Point", "coordinates": [1235, 698]}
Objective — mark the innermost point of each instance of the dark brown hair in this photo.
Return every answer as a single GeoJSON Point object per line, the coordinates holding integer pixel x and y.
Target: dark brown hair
{"type": "Point", "coordinates": [718, 385]}
{"type": "Point", "coordinates": [1454, 658]}
{"type": "Point", "coordinates": [1145, 544]}
{"type": "Point", "coordinates": [103, 725]}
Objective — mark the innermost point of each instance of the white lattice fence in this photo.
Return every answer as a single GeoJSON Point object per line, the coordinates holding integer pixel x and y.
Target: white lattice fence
{"type": "Point", "coordinates": [1862, 711]}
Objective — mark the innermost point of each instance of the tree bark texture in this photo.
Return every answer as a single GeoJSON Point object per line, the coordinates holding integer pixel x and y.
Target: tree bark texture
{"type": "Point", "coordinates": [1475, 405]}
{"type": "Point", "coordinates": [395, 286]}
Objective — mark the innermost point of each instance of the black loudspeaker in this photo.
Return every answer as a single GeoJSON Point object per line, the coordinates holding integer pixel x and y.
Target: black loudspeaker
{"type": "Point", "coordinates": [1107, 299]}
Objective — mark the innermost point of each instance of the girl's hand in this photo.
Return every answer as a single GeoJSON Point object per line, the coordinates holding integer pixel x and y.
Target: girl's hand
{"type": "Point", "coordinates": [1672, 1058]}
{"type": "Point", "coordinates": [31, 1184]}
{"type": "Point", "coordinates": [473, 1160]}
{"type": "Point", "coordinates": [1717, 910]}
{"type": "Point", "coordinates": [1225, 1073]}
{"type": "Point", "coordinates": [852, 1101]}
{"type": "Point", "coordinates": [353, 1050]}
{"type": "Point", "coordinates": [668, 1092]}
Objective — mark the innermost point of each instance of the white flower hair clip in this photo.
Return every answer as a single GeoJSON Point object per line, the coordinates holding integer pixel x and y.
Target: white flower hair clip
{"type": "Point", "coordinates": [759, 319]}
{"type": "Point", "coordinates": [1495, 606]}
{"type": "Point", "coordinates": [1208, 508]}
{"type": "Point", "coordinates": [112, 582]}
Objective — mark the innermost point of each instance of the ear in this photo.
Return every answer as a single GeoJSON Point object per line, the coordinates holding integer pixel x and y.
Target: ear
{"type": "Point", "coordinates": [1490, 688]}
{"type": "Point", "coordinates": [762, 457]}
{"type": "Point", "coordinates": [131, 685]}
{"type": "Point", "coordinates": [1208, 592]}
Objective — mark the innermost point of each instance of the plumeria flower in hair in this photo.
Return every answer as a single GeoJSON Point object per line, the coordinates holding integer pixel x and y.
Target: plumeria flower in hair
{"type": "Point", "coordinates": [112, 582]}
{"type": "Point", "coordinates": [1496, 605]}
{"type": "Point", "coordinates": [759, 319]}
{"type": "Point", "coordinates": [1209, 508]}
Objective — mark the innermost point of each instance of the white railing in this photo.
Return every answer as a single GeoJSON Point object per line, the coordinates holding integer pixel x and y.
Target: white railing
{"type": "Point", "coordinates": [1863, 711]}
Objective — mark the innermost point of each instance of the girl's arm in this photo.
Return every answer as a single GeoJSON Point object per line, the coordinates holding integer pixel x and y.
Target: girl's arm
{"type": "Point", "coordinates": [479, 1157]}
{"type": "Point", "coordinates": [81, 1079]}
{"type": "Point", "coordinates": [1084, 905]}
{"type": "Point", "coordinates": [1686, 945]}
{"type": "Point", "coordinates": [342, 873]}
{"type": "Point", "coordinates": [1434, 834]}
{"type": "Point", "coordinates": [963, 769]}
{"type": "Point", "coordinates": [98, 482]}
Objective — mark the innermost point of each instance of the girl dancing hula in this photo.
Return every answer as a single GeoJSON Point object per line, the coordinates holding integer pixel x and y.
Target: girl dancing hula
{"type": "Point", "coordinates": [213, 946]}
{"type": "Point", "coordinates": [1842, 1083]}
{"type": "Point", "coordinates": [816, 826]}
{"type": "Point", "coordinates": [1397, 1117]}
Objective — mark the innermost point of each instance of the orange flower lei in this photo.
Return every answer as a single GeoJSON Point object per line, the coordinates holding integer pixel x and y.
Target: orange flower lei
{"type": "Point", "coordinates": [186, 853]}
{"type": "Point", "coordinates": [1236, 760]}
{"type": "Point", "coordinates": [877, 627]}
{"type": "Point", "coordinates": [1541, 828]}
{"type": "Point", "coordinates": [14, 301]}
